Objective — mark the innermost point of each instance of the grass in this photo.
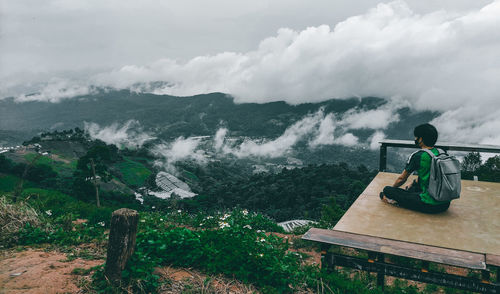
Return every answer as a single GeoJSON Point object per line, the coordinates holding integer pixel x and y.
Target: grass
{"type": "Point", "coordinates": [81, 271]}
{"type": "Point", "coordinates": [13, 217]}
{"type": "Point", "coordinates": [133, 172]}
{"type": "Point", "coordinates": [61, 204]}
{"type": "Point", "coordinates": [231, 244]}
{"type": "Point", "coordinates": [8, 182]}
{"type": "Point", "coordinates": [191, 176]}
{"type": "Point", "coordinates": [57, 165]}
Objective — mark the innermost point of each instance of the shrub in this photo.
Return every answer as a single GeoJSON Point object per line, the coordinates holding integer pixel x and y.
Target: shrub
{"type": "Point", "coordinates": [57, 235]}
{"type": "Point", "coordinates": [233, 243]}
{"type": "Point", "coordinates": [60, 204]}
{"type": "Point", "coordinates": [14, 217]}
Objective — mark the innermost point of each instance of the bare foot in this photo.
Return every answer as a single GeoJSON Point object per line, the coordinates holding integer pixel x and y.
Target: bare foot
{"type": "Point", "coordinates": [388, 201]}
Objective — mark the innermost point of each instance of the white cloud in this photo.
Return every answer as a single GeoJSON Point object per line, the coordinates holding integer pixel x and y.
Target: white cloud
{"type": "Point", "coordinates": [348, 140]}
{"type": "Point", "coordinates": [58, 89]}
{"type": "Point", "coordinates": [281, 145]}
{"type": "Point", "coordinates": [129, 135]}
{"type": "Point", "coordinates": [220, 135]}
{"type": "Point", "coordinates": [469, 124]}
{"type": "Point", "coordinates": [389, 51]}
{"type": "Point", "coordinates": [378, 118]}
{"type": "Point", "coordinates": [316, 129]}
{"type": "Point", "coordinates": [39, 36]}
{"type": "Point", "coordinates": [375, 139]}
{"type": "Point", "coordinates": [325, 134]}
{"type": "Point", "coordinates": [438, 60]}
{"type": "Point", "coordinates": [178, 150]}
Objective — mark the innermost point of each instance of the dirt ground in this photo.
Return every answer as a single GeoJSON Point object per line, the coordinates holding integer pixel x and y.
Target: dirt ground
{"type": "Point", "coordinates": [35, 271]}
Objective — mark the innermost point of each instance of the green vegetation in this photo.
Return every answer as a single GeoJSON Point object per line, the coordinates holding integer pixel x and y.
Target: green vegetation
{"type": "Point", "coordinates": [63, 166]}
{"type": "Point", "coordinates": [8, 182]}
{"type": "Point", "coordinates": [60, 204]}
{"type": "Point", "coordinates": [235, 243]}
{"type": "Point", "coordinates": [134, 173]}
{"type": "Point", "coordinates": [41, 160]}
{"type": "Point", "coordinates": [212, 232]}
{"type": "Point", "coordinates": [289, 194]}
{"type": "Point", "coordinates": [170, 117]}
{"type": "Point", "coordinates": [191, 176]}
{"type": "Point", "coordinates": [488, 171]}
{"type": "Point", "coordinates": [13, 218]}
{"type": "Point", "coordinates": [93, 168]}
{"type": "Point", "coordinates": [228, 245]}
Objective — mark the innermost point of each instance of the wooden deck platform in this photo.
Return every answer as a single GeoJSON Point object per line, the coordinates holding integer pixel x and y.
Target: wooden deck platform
{"type": "Point", "coordinates": [472, 223]}
{"type": "Point", "coordinates": [467, 236]}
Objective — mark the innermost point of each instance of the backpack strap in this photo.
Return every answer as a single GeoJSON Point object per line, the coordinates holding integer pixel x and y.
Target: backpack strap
{"type": "Point", "coordinates": [440, 151]}
{"type": "Point", "coordinates": [430, 152]}
{"type": "Point", "coordinates": [411, 155]}
{"type": "Point", "coordinates": [432, 155]}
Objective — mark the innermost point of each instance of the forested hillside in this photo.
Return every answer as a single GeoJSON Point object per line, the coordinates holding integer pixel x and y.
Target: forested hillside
{"type": "Point", "coordinates": [288, 194]}
{"type": "Point", "coordinates": [169, 116]}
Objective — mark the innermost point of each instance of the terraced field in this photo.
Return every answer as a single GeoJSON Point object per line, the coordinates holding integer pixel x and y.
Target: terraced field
{"type": "Point", "coordinates": [59, 164]}
{"type": "Point", "coordinates": [134, 173]}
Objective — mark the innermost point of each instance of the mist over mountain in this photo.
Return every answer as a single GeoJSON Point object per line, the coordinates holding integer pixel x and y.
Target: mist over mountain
{"type": "Point", "coordinates": [436, 59]}
{"type": "Point", "coordinates": [267, 130]}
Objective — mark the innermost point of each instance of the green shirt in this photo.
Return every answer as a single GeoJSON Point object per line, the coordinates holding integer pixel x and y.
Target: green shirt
{"type": "Point", "coordinates": [420, 161]}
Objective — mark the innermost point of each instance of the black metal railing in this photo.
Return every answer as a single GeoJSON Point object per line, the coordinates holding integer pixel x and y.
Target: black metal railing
{"type": "Point", "coordinates": [443, 145]}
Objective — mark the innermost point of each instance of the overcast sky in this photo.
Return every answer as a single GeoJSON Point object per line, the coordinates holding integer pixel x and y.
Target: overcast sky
{"type": "Point", "coordinates": [428, 54]}
{"type": "Point", "coordinates": [61, 38]}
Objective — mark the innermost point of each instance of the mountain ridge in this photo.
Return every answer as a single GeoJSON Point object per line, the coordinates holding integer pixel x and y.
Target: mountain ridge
{"type": "Point", "coordinates": [170, 116]}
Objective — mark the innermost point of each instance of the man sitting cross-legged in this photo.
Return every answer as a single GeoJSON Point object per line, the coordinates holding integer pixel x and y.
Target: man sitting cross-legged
{"type": "Point", "coordinates": [416, 197]}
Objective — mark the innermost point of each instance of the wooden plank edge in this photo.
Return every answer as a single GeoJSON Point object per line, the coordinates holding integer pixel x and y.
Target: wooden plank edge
{"type": "Point", "coordinates": [479, 263]}
{"type": "Point", "coordinates": [492, 259]}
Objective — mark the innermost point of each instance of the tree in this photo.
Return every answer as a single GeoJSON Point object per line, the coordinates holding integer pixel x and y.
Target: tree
{"type": "Point", "coordinates": [490, 170]}
{"type": "Point", "coordinates": [331, 214]}
{"type": "Point", "coordinates": [5, 164]}
{"type": "Point", "coordinates": [93, 166]}
{"type": "Point", "coordinates": [20, 184]}
{"type": "Point", "coordinates": [472, 162]}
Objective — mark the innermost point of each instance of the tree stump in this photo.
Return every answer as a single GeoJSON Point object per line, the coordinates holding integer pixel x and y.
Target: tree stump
{"type": "Point", "coordinates": [121, 242]}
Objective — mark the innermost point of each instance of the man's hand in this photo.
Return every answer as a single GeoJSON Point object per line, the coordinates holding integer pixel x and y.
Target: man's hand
{"type": "Point", "coordinates": [401, 179]}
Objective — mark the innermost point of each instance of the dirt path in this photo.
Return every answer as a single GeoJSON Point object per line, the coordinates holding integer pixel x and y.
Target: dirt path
{"type": "Point", "coordinates": [35, 271]}
{"type": "Point", "coordinates": [59, 158]}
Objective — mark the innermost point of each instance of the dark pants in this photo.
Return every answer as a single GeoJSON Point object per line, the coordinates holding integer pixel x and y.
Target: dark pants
{"type": "Point", "coordinates": [410, 199]}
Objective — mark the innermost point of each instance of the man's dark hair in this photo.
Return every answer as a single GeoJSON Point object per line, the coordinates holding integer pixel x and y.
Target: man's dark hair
{"type": "Point", "coordinates": [427, 132]}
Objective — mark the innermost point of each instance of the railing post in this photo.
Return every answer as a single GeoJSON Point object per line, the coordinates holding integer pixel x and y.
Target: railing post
{"type": "Point", "coordinates": [381, 273]}
{"type": "Point", "coordinates": [121, 242]}
{"type": "Point", "coordinates": [383, 158]}
{"type": "Point", "coordinates": [324, 262]}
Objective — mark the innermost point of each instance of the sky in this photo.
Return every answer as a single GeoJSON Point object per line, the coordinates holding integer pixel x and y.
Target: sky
{"type": "Point", "coordinates": [58, 39]}
{"type": "Point", "coordinates": [428, 55]}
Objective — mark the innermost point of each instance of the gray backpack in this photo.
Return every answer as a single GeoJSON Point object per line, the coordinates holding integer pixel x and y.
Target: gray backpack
{"type": "Point", "coordinates": [444, 180]}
